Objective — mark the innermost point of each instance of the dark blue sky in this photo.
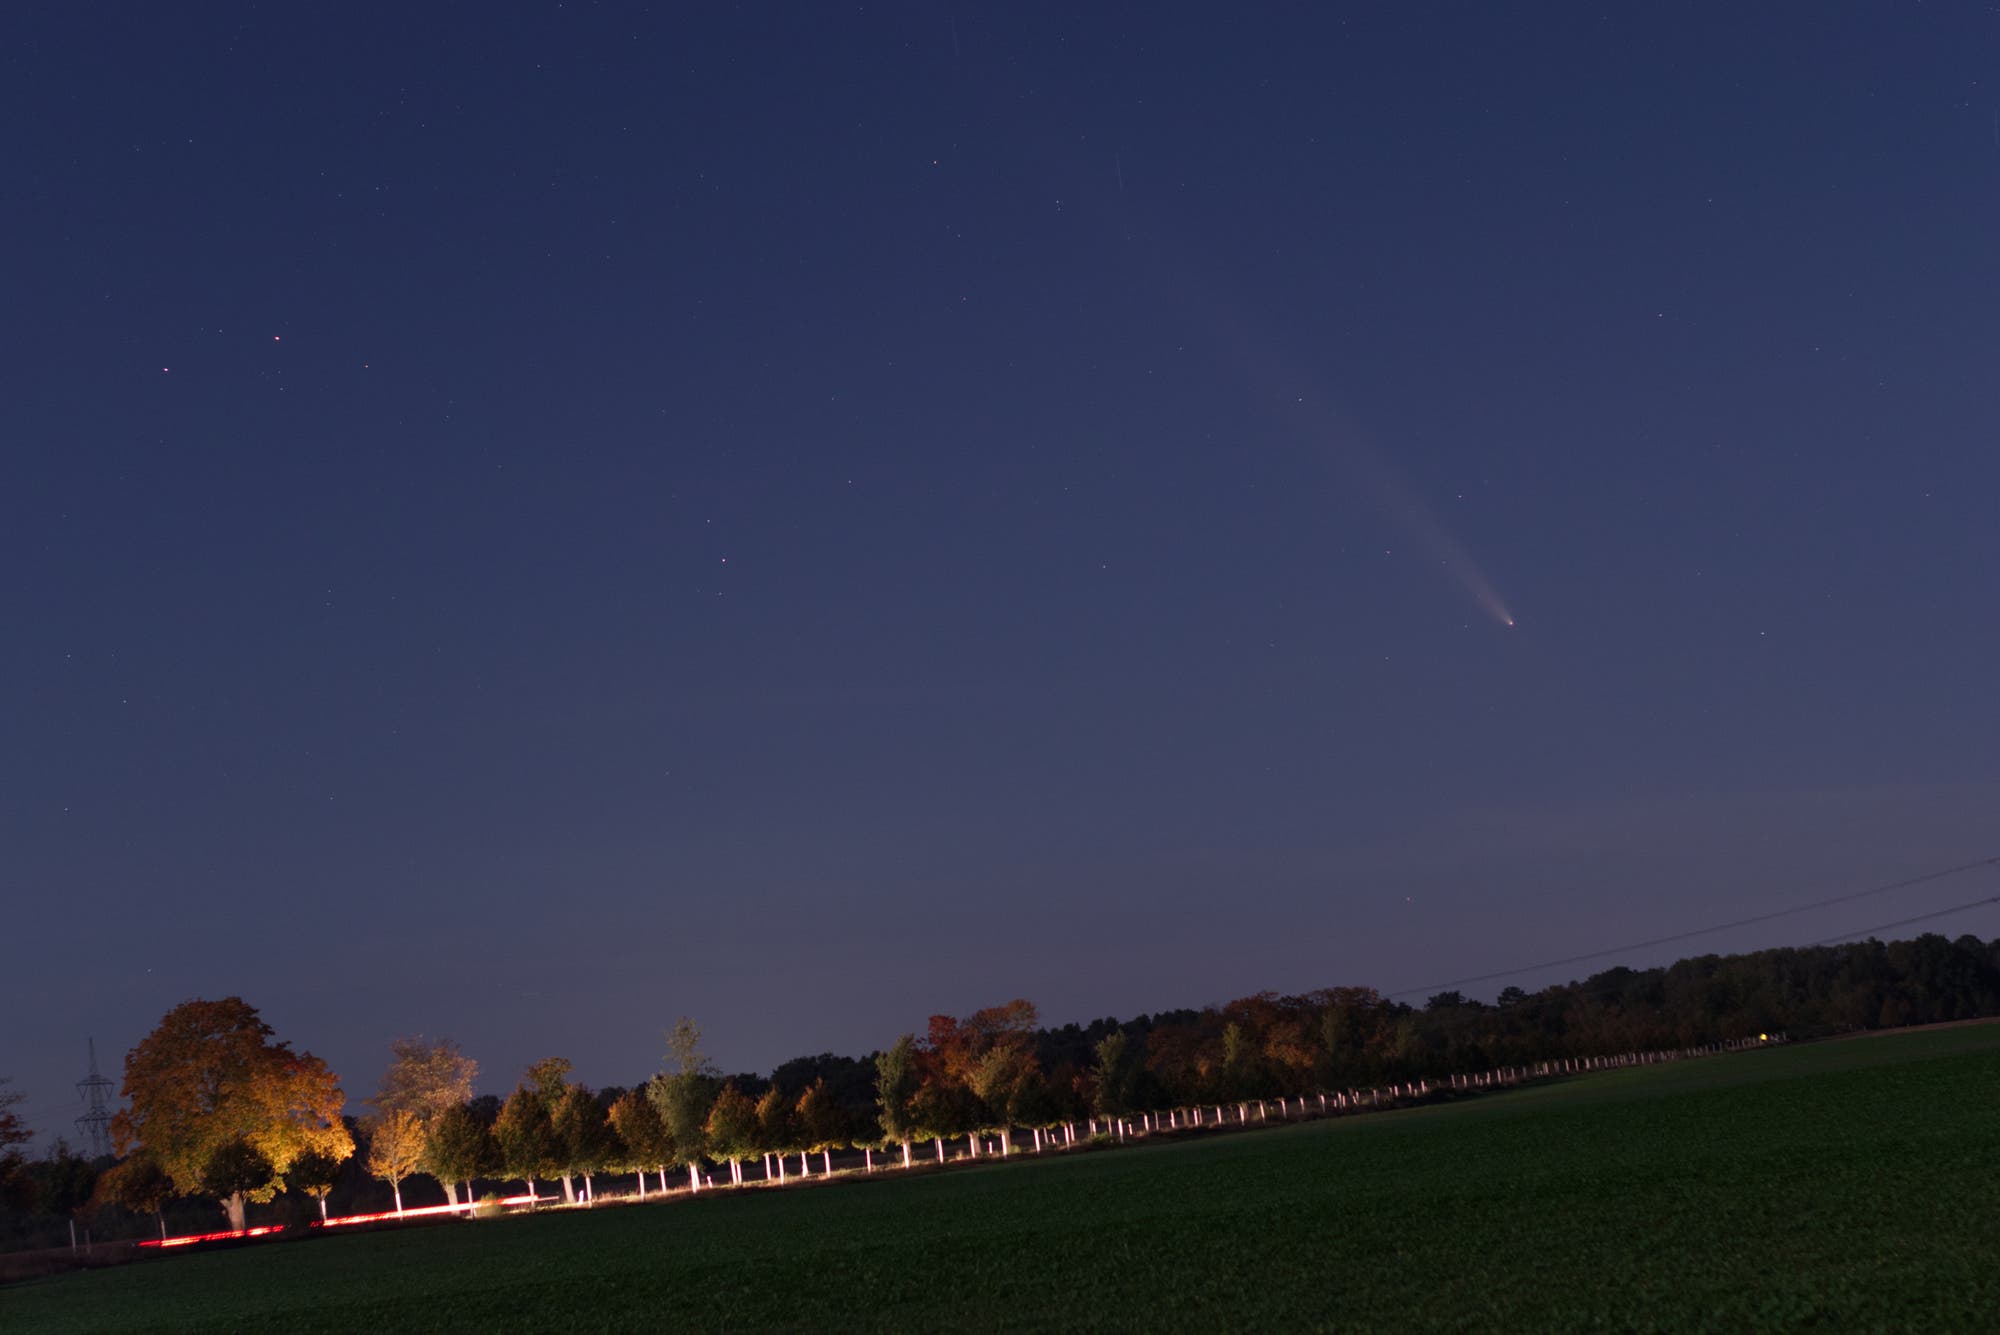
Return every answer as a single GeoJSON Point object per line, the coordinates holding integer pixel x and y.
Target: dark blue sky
{"type": "Point", "coordinates": [524, 521]}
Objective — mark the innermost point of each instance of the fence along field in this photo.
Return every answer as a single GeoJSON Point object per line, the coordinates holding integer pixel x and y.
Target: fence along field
{"type": "Point", "coordinates": [1844, 1184]}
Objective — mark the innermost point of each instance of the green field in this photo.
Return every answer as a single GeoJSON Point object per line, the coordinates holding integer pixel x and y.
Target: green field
{"type": "Point", "coordinates": [1848, 1185]}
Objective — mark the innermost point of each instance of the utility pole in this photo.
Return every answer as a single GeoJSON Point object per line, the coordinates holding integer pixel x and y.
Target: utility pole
{"type": "Point", "coordinates": [93, 1129]}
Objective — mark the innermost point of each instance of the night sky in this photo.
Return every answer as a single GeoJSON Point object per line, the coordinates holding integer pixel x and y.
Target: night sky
{"type": "Point", "coordinates": [520, 522]}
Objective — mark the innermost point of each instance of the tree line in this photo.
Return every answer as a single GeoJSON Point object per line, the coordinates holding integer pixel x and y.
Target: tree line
{"type": "Point", "coordinates": [218, 1109]}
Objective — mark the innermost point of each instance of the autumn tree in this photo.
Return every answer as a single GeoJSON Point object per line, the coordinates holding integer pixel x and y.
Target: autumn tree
{"type": "Point", "coordinates": [896, 1080]}
{"type": "Point", "coordinates": [683, 1093]}
{"type": "Point", "coordinates": [314, 1173]}
{"type": "Point", "coordinates": [955, 1047]}
{"type": "Point", "coordinates": [396, 1142]}
{"type": "Point", "coordinates": [210, 1076]}
{"type": "Point", "coordinates": [644, 1135]}
{"type": "Point", "coordinates": [457, 1149]}
{"type": "Point", "coordinates": [425, 1079]}
{"type": "Point", "coordinates": [140, 1185]}
{"type": "Point", "coordinates": [524, 1138]}
{"type": "Point", "coordinates": [983, 1055]}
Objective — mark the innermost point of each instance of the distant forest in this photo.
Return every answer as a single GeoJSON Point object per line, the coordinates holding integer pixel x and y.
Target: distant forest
{"type": "Point", "coordinates": [995, 1073]}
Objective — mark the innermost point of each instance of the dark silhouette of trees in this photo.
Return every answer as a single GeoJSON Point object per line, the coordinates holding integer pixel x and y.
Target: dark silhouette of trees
{"type": "Point", "coordinates": [14, 1133]}
{"type": "Point", "coordinates": [1111, 1073]}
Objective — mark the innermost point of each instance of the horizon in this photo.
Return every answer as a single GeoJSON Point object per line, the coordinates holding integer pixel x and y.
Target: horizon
{"type": "Point", "coordinates": [1487, 996]}
{"type": "Point", "coordinates": [808, 520]}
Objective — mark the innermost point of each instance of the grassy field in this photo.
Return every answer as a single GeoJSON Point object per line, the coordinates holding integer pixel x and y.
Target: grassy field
{"type": "Point", "coordinates": [1848, 1185]}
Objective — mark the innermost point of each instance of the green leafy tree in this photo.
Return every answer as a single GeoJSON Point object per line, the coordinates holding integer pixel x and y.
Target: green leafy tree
{"type": "Point", "coordinates": [774, 1128]}
{"type": "Point", "coordinates": [994, 1078]}
{"type": "Point", "coordinates": [648, 1146]}
{"type": "Point", "coordinates": [683, 1093]}
{"type": "Point", "coordinates": [140, 1185]}
{"type": "Point", "coordinates": [235, 1171]}
{"type": "Point", "coordinates": [1033, 1105]}
{"type": "Point", "coordinates": [549, 1077]}
{"type": "Point", "coordinates": [821, 1122]}
{"type": "Point", "coordinates": [548, 1080]}
{"type": "Point", "coordinates": [524, 1138]}
{"type": "Point", "coordinates": [732, 1129]}
{"type": "Point", "coordinates": [942, 1109]}
{"type": "Point", "coordinates": [209, 1076]}
{"type": "Point", "coordinates": [315, 1173]}
{"type": "Point", "coordinates": [1110, 1072]}
{"type": "Point", "coordinates": [458, 1149]}
{"type": "Point", "coordinates": [582, 1137]}
{"type": "Point", "coordinates": [396, 1141]}
{"type": "Point", "coordinates": [896, 1083]}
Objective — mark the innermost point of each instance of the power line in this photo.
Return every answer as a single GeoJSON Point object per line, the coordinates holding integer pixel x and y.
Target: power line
{"type": "Point", "coordinates": [1905, 922]}
{"type": "Point", "coordinates": [1849, 897]}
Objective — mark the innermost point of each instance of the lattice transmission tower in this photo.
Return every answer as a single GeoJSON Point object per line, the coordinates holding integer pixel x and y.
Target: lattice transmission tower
{"type": "Point", "coordinates": [94, 1127]}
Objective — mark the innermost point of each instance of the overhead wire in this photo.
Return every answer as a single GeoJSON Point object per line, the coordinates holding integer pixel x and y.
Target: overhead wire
{"type": "Point", "coordinates": [1905, 922]}
{"type": "Point", "coordinates": [1849, 897]}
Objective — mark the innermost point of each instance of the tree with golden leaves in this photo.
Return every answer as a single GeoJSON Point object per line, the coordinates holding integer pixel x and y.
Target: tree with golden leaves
{"type": "Point", "coordinates": [396, 1142]}
{"type": "Point", "coordinates": [210, 1080]}
{"type": "Point", "coordinates": [425, 1080]}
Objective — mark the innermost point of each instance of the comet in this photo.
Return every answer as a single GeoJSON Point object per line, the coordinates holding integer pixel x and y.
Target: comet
{"type": "Point", "coordinates": [1279, 381]}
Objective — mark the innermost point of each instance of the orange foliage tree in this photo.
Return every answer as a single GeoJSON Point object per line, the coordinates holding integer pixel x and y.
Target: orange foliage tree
{"type": "Point", "coordinates": [209, 1078]}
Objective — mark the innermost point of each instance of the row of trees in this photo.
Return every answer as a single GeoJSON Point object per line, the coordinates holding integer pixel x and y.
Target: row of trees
{"type": "Point", "coordinates": [218, 1108]}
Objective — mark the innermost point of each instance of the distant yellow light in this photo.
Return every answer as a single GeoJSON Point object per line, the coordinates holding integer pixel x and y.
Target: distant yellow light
{"type": "Point", "coordinates": [1763, 1038]}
